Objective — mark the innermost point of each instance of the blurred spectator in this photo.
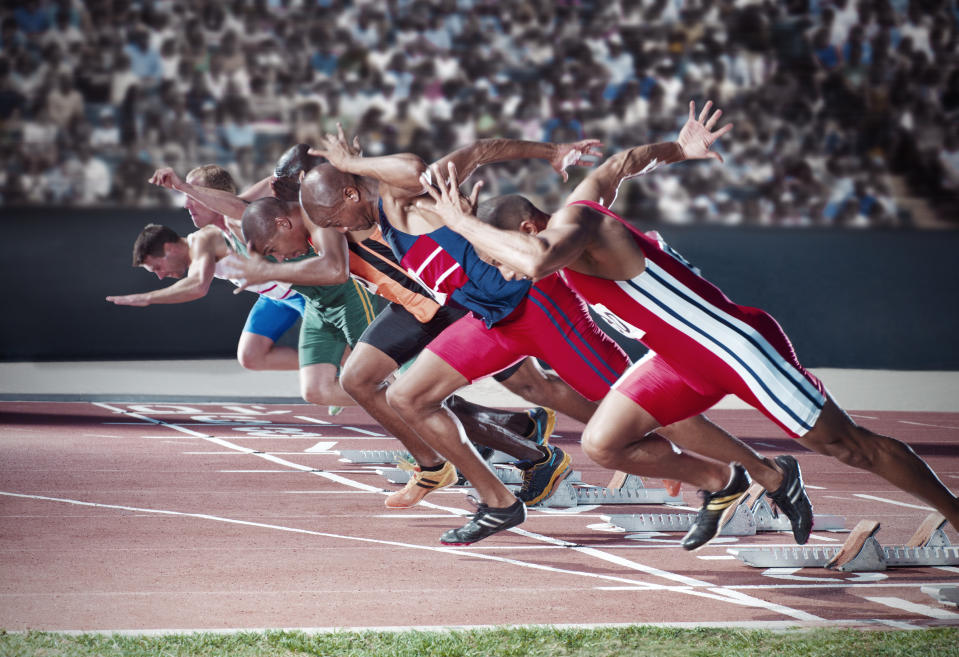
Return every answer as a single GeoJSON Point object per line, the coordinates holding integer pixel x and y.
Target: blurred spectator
{"type": "Point", "coordinates": [836, 102]}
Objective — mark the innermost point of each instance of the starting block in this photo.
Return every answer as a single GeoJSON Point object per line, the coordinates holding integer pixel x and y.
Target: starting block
{"type": "Point", "coordinates": [369, 456]}
{"type": "Point", "coordinates": [753, 514]}
{"type": "Point", "coordinates": [505, 473]}
{"type": "Point", "coordinates": [622, 489]}
{"type": "Point", "coordinates": [861, 552]}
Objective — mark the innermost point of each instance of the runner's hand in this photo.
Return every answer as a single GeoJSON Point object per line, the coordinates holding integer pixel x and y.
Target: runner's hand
{"type": "Point", "coordinates": [337, 149]}
{"type": "Point", "coordinates": [166, 177]}
{"type": "Point", "coordinates": [696, 137]}
{"type": "Point", "coordinates": [569, 154]}
{"type": "Point", "coordinates": [244, 271]}
{"type": "Point", "coordinates": [448, 203]}
{"type": "Point", "coordinates": [130, 300]}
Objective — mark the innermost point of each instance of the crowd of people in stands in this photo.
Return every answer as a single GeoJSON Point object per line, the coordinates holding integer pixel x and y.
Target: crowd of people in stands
{"type": "Point", "coordinates": [842, 108]}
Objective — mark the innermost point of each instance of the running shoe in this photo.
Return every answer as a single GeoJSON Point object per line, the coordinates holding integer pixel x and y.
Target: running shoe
{"type": "Point", "coordinates": [484, 523]}
{"type": "Point", "coordinates": [334, 410]}
{"type": "Point", "coordinates": [545, 421]}
{"type": "Point", "coordinates": [715, 505]}
{"type": "Point", "coordinates": [420, 484]}
{"type": "Point", "coordinates": [792, 500]}
{"type": "Point", "coordinates": [541, 479]}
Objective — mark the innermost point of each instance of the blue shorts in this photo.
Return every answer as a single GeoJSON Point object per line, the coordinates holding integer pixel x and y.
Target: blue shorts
{"type": "Point", "coordinates": [271, 318]}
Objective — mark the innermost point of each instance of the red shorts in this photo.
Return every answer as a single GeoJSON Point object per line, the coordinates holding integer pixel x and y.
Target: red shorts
{"type": "Point", "coordinates": [552, 324]}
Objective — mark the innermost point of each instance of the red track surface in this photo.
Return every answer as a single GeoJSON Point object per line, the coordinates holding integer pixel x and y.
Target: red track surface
{"type": "Point", "coordinates": [119, 516]}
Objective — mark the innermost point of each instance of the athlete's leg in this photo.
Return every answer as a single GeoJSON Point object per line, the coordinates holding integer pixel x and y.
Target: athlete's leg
{"type": "Point", "coordinates": [496, 429]}
{"type": "Point", "coordinates": [700, 435]}
{"type": "Point", "coordinates": [320, 385]}
{"type": "Point", "coordinates": [836, 435]}
{"type": "Point", "coordinates": [365, 377]}
{"type": "Point", "coordinates": [547, 389]}
{"type": "Point", "coordinates": [258, 352]}
{"type": "Point", "coordinates": [418, 395]}
{"type": "Point", "coordinates": [267, 320]}
{"type": "Point", "coordinates": [621, 436]}
{"type": "Point", "coordinates": [321, 348]}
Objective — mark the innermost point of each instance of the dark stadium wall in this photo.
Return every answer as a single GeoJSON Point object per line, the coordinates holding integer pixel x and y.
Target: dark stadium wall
{"type": "Point", "coordinates": [875, 299]}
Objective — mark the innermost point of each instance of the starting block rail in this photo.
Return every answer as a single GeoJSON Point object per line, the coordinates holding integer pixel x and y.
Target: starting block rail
{"type": "Point", "coordinates": [623, 489]}
{"type": "Point", "coordinates": [753, 514]}
{"type": "Point", "coordinates": [375, 456]}
{"type": "Point", "coordinates": [862, 552]}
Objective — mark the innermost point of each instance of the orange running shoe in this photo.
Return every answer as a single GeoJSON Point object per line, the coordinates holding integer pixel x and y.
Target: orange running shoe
{"type": "Point", "coordinates": [420, 484]}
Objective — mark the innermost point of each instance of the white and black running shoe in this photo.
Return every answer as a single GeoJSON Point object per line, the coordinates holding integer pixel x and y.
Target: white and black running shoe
{"type": "Point", "coordinates": [484, 523]}
{"type": "Point", "coordinates": [792, 500]}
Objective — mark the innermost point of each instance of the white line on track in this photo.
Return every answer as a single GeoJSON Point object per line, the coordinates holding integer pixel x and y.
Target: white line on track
{"type": "Point", "coordinates": [894, 502]}
{"type": "Point", "coordinates": [715, 593]}
{"type": "Point", "coordinates": [926, 424]}
{"type": "Point", "coordinates": [915, 608]}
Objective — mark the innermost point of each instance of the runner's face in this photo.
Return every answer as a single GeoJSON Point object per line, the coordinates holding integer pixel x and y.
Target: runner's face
{"type": "Point", "coordinates": [169, 266]}
{"type": "Point", "coordinates": [199, 213]}
{"type": "Point", "coordinates": [286, 244]}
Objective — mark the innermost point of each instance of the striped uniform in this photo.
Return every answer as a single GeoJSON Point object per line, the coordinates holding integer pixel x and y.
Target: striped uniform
{"type": "Point", "coordinates": [703, 346]}
{"type": "Point", "coordinates": [510, 319]}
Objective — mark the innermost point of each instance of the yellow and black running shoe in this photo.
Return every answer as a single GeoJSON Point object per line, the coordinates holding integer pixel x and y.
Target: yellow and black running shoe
{"type": "Point", "coordinates": [715, 505]}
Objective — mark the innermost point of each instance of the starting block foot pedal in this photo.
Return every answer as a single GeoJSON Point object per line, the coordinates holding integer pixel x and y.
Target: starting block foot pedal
{"type": "Point", "coordinates": [861, 551]}
{"type": "Point", "coordinates": [930, 532]}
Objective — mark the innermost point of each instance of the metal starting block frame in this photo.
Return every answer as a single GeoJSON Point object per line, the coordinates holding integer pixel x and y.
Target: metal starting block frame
{"type": "Point", "coordinates": [622, 489]}
{"type": "Point", "coordinates": [373, 456]}
{"type": "Point", "coordinates": [753, 514]}
{"type": "Point", "coordinates": [505, 473]}
{"type": "Point", "coordinates": [861, 552]}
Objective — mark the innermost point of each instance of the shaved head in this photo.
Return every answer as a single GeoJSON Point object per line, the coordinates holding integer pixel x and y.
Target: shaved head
{"type": "Point", "coordinates": [507, 212]}
{"type": "Point", "coordinates": [259, 220]}
{"type": "Point", "coordinates": [321, 191]}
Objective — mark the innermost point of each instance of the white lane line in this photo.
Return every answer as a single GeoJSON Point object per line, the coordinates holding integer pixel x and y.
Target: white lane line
{"type": "Point", "coordinates": [926, 424]}
{"type": "Point", "coordinates": [720, 594]}
{"type": "Point", "coordinates": [915, 608]}
{"type": "Point", "coordinates": [894, 502]}
{"type": "Point", "coordinates": [307, 418]}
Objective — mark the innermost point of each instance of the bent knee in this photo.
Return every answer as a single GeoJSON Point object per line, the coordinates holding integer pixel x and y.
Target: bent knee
{"type": "Point", "coordinates": [250, 360]}
{"type": "Point", "coordinates": [599, 448]}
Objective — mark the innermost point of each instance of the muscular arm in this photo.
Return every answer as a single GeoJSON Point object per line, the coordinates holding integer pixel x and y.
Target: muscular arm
{"type": "Point", "coordinates": [193, 286]}
{"type": "Point", "coordinates": [602, 185]}
{"type": "Point", "coordinates": [489, 151]}
{"type": "Point", "coordinates": [694, 142]}
{"type": "Point", "coordinates": [329, 267]}
{"type": "Point", "coordinates": [527, 255]}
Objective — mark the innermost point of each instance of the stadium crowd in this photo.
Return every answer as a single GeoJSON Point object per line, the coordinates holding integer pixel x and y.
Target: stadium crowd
{"type": "Point", "coordinates": [839, 105]}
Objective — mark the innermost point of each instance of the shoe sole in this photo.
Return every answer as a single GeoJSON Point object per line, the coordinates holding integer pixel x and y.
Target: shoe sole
{"type": "Point", "coordinates": [558, 477]}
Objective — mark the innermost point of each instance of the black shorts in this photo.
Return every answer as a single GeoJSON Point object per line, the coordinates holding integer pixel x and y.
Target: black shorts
{"type": "Point", "coordinates": [399, 335]}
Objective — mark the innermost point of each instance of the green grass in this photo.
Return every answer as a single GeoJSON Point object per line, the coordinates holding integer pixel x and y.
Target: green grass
{"type": "Point", "coordinates": [633, 641]}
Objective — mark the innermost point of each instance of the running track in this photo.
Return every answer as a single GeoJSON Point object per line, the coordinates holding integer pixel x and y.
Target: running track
{"type": "Point", "coordinates": [118, 516]}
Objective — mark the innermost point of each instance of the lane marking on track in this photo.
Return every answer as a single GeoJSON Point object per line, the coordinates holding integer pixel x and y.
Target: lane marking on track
{"type": "Point", "coordinates": [720, 594]}
{"type": "Point", "coordinates": [915, 608]}
{"type": "Point", "coordinates": [894, 502]}
{"type": "Point", "coordinates": [926, 424]}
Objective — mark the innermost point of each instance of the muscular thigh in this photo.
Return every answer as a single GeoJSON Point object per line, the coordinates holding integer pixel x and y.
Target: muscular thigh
{"type": "Point", "coordinates": [617, 422]}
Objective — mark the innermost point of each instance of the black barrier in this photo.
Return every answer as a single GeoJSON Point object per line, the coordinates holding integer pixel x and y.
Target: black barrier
{"type": "Point", "coordinates": [875, 299]}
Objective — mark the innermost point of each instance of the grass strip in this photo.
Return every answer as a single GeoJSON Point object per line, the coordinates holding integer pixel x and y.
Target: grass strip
{"type": "Point", "coordinates": [634, 641]}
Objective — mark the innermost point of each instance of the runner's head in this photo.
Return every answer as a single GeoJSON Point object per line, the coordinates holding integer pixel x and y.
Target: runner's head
{"type": "Point", "coordinates": [272, 227]}
{"type": "Point", "coordinates": [333, 199]}
{"type": "Point", "coordinates": [212, 176]}
{"type": "Point", "coordinates": [512, 212]}
{"type": "Point", "coordinates": [159, 250]}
